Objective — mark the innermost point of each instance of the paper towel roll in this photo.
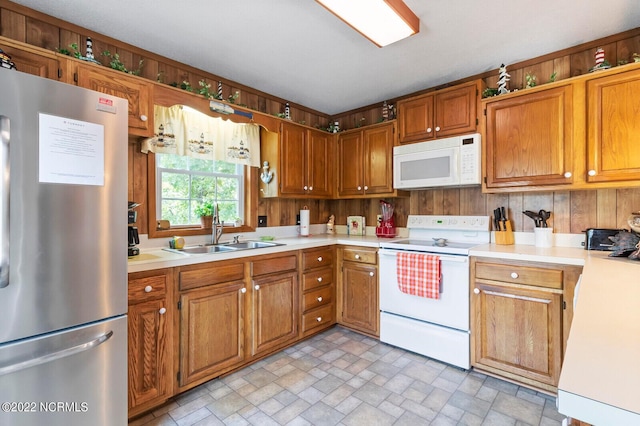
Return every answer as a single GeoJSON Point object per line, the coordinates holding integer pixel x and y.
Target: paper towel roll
{"type": "Point", "coordinates": [304, 222]}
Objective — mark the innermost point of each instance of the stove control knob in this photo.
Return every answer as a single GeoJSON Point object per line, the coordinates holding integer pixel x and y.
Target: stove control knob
{"type": "Point", "coordinates": [514, 275]}
{"type": "Point", "coordinates": [476, 290]}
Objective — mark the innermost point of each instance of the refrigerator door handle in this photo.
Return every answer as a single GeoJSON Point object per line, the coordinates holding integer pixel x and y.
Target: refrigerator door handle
{"type": "Point", "coordinates": [32, 362]}
{"type": "Point", "coordinates": [4, 200]}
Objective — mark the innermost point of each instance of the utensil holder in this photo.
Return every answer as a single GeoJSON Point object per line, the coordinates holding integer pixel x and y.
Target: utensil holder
{"type": "Point", "coordinates": [505, 237]}
{"type": "Point", "coordinates": [543, 237]}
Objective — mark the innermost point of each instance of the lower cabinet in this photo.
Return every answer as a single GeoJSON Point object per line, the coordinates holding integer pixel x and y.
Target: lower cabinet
{"type": "Point", "coordinates": [358, 306]}
{"type": "Point", "coordinates": [518, 324]}
{"type": "Point", "coordinates": [150, 341]}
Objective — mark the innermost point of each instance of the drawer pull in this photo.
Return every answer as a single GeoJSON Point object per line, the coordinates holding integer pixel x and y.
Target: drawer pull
{"type": "Point", "coordinates": [243, 290]}
{"type": "Point", "coordinates": [319, 279]}
{"type": "Point", "coordinates": [256, 287]}
{"type": "Point", "coordinates": [148, 289]}
{"type": "Point", "coordinates": [476, 290]}
{"type": "Point", "coordinates": [514, 275]}
{"type": "Point", "coordinates": [357, 257]}
{"type": "Point", "coordinates": [371, 274]}
{"type": "Point", "coordinates": [319, 258]}
{"type": "Point", "coordinates": [319, 319]}
{"type": "Point", "coordinates": [162, 311]}
{"type": "Point", "coordinates": [320, 299]}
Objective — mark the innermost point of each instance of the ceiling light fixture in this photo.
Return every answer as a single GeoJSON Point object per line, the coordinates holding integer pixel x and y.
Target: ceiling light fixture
{"type": "Point", "coordinates": [381, 21]}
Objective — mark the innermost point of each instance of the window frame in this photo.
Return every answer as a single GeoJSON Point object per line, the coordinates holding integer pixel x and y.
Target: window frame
{"type": "Point", "coordinates": [250, 219]}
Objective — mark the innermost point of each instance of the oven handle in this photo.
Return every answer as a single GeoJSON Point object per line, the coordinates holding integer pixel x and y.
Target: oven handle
{"type": "Point", "coordinates": [443, 257]}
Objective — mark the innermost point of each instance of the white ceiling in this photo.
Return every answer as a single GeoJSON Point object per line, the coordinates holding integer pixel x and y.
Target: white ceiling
{"type": "Point", "coordinates": [298, 51]}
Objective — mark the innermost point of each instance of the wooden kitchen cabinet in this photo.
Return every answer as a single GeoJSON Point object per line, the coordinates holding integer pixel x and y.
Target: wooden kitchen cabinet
{"type": "Point", "coordinates": [32, 60]}
{"type": "Point", "coordinates": [318, 290]}
{"type": "Point", "coordinates": [529, 138]}
{"type": "Point", "coordinates": [613, 151]}
{"type": "Point", "coordinates": [520, 319]}
{"type": "Point", "coordinates": [365, 162]}
{"type": "Point", "coordinates": [358, 306]}
{"type": "Point", "coordinates": [302, 160]}
{"type": "Point", "coordinates": [150, 340]}
{"type": "Point", "coordinates": [274, 302]}
{"type": "Point", "coordinates": [212, 318]}
{"type": "Point", "coordinates": [447, 112]}
{"type": "Point", "coordinates": [136, 90]}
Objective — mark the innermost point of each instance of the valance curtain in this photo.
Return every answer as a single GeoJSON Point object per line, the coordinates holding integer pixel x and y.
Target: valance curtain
{"type": "Point", "coordinates": [185, 131]}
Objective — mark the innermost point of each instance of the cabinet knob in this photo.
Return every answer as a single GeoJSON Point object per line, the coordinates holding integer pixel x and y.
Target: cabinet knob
{"type": "Point", "coordinates": [143, 118]}
{"type": "Point", "coordinates": [514, 275]}
{"type": "Point", "coordinates": [320, 299]}
{"type": "Point", "coordinates": [319, 319]}
{"type": "Point", "coordinates": [311, 188]}
{"type": "Point", "coordinates": [476, 291]}
{"type": "Point", "coordinates": [148, 289]}
{"type": "Point", "coordinates": [437, 128]}
{"type": "Point", "coordinates": [256, 287]}
{"type": "Point", "coordinates": [357, 257]}
{"type": "Point", "coordinates": [428, 129]}
{"type": "Point", "coordinates": [371, 274]}
{"type": "Point", "coordinates": [366, 187]}
{"type": "Point", "coordinates": [568, 175]}
{"type": "Point", "coordinates": [243, 290]}
{"type": "Point", "coordinates": [162, 311]}
{"type": "Point", "coordinates": [359, 188]}
{"type": "Point", "coordinates": [591, 172]}
{"type": "Point", "coordinates": [319, 279]}
{"type": "Point", "coordinates": [306, 187]}
{"type": "Point", "coordinates": [319, 258]}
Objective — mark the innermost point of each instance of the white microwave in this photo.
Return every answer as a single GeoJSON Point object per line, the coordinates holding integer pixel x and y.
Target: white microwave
{"type": "Point", "coordinates": [454, 161]}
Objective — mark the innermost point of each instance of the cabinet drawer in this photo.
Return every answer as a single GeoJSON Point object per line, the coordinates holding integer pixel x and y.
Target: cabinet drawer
{"type": "Point", "coordinates": [147, 288]}
{"type": "Point", "coordinates": [317, 298]}
{"type": "Point", "coordinates": [317, 258]}
{"type": "Point", "coordinates": [539, 277]}
{"type": "Point", "coordinates": [213, 274]}
{"type": "Point", "coordinates": [319, 278]}
{"type": "Point", "coordinates": [317, 317]}
{"type": "Point", "coordinates": [274, 264]}
{"type": "Point", "coordinates": [360, 255]}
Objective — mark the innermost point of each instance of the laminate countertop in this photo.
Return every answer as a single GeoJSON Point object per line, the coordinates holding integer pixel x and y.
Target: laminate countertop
{"type": "Point", "coordinates": [600, 373]}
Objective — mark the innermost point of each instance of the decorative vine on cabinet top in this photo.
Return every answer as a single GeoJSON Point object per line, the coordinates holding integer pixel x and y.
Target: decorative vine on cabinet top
{"type": "Point", "coordinates": [578, 133]}
{"type": "Point", "coordinates": [447, 112]}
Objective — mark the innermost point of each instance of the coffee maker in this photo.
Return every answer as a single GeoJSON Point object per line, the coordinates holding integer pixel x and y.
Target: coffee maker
{"type": "Point", "coordinates": [133, 230]}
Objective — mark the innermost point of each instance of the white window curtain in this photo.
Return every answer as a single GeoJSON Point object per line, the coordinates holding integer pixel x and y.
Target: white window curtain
{"type": "Point", "coordinates": [184, 131]}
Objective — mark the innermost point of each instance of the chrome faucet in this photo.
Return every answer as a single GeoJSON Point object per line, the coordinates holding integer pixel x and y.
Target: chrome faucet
{"type": "Point", "coordinates": [216, 231]}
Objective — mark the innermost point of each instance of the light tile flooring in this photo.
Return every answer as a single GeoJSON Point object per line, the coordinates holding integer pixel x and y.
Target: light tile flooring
{"type": "Point", "coordinates": [343, 378]}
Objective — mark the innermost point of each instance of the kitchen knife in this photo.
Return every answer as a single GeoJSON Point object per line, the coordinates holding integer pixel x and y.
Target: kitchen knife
{"type": "Point", "coordinates": [503, 216]}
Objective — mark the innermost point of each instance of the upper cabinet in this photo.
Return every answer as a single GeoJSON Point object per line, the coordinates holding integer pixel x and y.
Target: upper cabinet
{"type": "Point", "coordinates": [613, 133]}
{"type": "Point", "coordinates": [446, 112]}
{"type": "Point", "coordinates": [529, 139]}
{"type": "Point", "coordinates": [137, 91]}
{"type": "Point", "coordinates": [32, 60]}
{"type": "Point", "coordinates": [365, 162]}
{"type": "Point", "coordinates": [301, 160]}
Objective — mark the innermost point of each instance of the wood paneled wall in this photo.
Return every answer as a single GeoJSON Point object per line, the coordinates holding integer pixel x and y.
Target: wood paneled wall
{"type": "Point", "coordinates": [35, 28]}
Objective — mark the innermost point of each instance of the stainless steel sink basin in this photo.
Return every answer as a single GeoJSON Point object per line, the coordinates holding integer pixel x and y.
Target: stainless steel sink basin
{"type": "Point", "coordinates": [207, 249]}
{"type": "Point", "coordinates": [251, 245]}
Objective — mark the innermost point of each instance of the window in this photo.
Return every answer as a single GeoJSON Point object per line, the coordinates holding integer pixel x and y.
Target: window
{"type": "Point", "coordinates": [183, 183]}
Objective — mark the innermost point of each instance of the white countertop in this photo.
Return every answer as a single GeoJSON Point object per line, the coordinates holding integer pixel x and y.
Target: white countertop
{"type": "Point", "coordinates": [601, 368]}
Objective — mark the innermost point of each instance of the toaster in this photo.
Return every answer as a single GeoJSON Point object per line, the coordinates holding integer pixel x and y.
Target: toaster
{"type": "Point", "coordinates": [598, 239]}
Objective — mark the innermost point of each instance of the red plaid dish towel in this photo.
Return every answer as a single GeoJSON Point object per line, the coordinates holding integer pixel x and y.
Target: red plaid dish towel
{"type": "Point", "coordinates": [419, 274]}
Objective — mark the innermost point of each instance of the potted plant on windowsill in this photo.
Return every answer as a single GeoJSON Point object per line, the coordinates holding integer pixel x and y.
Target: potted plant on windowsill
{"type": "Point", "coordinates": [205, 211]}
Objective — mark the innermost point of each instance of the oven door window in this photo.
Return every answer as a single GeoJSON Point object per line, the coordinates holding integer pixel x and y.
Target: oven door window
{"type": "Point", "coordinates": [431, 168]}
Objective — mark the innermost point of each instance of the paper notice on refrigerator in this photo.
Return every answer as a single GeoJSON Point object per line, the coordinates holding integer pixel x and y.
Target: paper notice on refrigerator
{"type": "Point", "coordinates": [71, 151]}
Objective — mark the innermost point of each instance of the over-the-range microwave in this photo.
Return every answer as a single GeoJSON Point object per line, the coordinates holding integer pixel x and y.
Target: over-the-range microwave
{"type": "Point", "coordinates": [454, 161]}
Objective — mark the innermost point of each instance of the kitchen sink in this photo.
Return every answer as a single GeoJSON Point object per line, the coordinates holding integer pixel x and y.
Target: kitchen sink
{"type": "Point", "coordinates": [252, 245]}
{"type": "Point", "coordinates": [206, 249]}
{"type": "Point", "coordinates": [224, 248]}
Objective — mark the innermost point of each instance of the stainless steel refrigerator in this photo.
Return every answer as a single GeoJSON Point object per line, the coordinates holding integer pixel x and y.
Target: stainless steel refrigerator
{"type": "Point", "coordinates": [63, 254]}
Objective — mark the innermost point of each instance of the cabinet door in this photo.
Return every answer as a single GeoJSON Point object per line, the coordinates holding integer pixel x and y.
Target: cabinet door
{"type": "Point", "coordinates": [613, 128]}
{"type": "Point", "coordinates": [33, 63]}
{"type": "Point", "coordinates": [378, 160]}
{"type": "Point", "coordinates": [149, 363]}
{"type": "Point", "coordinates": [518, 331]}
{"type": "Point", "coordinates": [320, 163]}
{"type": "Point", "coordinates": [119, 84]}
{"type": "Point", "coordinates": [350, 167]}
{"type": "Point", "coordinates": [211, 330]}
{"type": "Point", "coordinates": [275, 311]}
{"type": "Point", "coordinates": [293, 154]}
{"type": "Point", "coordinates": [530, 139]}
{"type": "Point", "coordinates": [456, 111]}
{"type": "Point", "coordinates": [415, 119]}
{"type": "Point", "coordinates": [359, 298]}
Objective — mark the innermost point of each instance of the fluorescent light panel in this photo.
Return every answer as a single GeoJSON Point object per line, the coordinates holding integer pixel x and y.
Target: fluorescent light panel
{"type": "Point", "coordinates": [381, 21]}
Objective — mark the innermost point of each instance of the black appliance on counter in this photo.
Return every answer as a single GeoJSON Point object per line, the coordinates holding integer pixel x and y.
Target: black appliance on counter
{"type": "Point", "coordinates": [133, 230]}
{"type": "Point", "coordinates": [598, 239]}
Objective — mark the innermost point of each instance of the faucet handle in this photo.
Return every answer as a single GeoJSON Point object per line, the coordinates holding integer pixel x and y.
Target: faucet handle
{"type": "Point", "coordinates": [236, 239]}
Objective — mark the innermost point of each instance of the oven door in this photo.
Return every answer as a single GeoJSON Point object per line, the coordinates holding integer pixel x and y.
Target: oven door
{"type": "Point", "coordinates": [450, 310]}
{"type": "Point", "coordinates": [427, 168]}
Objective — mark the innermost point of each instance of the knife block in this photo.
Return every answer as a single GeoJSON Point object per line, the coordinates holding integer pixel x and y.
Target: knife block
{"type": "Point", "coordinates": [505, 237]}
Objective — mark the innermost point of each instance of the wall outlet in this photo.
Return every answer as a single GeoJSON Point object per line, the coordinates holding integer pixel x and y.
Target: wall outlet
{"type": "Point", "coordinates": [262, 221]}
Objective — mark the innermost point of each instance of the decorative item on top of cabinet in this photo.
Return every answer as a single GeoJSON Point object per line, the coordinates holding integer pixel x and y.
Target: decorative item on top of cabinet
{"type": "Point", "coordinates": [150, 328]}
{"type": "Point", "coordinates": [521, 313]}
{"type": "Point", "coordinates": [447, 112]}
{"type": "Point", "coordinates": [318, 290]}
{"type": "Point", "coordinates": [358, 306]}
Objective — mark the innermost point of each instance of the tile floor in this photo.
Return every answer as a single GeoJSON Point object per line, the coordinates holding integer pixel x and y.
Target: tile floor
{"type": "Point", "coordinates": [343, 378]}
